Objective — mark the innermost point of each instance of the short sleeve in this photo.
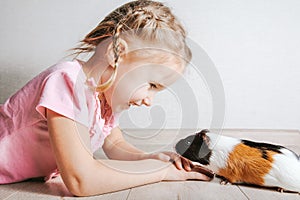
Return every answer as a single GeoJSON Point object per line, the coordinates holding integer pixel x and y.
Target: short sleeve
{"type": "Point", "coordinates": [62, 93]}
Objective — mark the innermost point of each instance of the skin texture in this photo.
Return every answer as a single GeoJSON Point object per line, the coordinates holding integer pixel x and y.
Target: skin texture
{"type": "Point", "coordinates": [129, 167]}
{"type": "Point", "coordinates": [139, 76]}
{"type": "Point", "coordinates": [138, 82]}
{"type": "Point", "coordinates": [83, 175]}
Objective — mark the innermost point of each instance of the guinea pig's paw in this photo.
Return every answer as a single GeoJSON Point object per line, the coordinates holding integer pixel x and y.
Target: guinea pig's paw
{"type": "Point", "coordinates": [281, 190]}
{"type": "Point", "coordinates": [223, 180]}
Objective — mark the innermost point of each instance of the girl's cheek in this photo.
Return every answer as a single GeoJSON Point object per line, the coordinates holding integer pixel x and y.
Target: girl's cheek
{"type": "Point", "coordinates": [139, 94]}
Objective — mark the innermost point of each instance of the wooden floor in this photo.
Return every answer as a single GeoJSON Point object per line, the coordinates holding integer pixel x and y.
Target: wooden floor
{"type": "Point", "coordinates": [151, 141]}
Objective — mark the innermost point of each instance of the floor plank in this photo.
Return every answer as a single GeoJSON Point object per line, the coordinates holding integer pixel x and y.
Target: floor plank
{"type": "Point", "coordinates": [121, 195]}
{"type": "Point", "coordinates": [9, 190]}
{"type": "Point", "coordinates": [187, 190]}
{"type": "Point", "coordinates": [54, 189]}
{"type": "Point", "coordinates": [212, 190]}
{"type": "Point", "coordinates": [262, 193]}
{"type": "Point", "coordinates": [162, 190]}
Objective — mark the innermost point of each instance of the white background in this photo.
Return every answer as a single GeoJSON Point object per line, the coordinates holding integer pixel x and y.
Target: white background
{"type": "Point", "coordinates": [254, 44]}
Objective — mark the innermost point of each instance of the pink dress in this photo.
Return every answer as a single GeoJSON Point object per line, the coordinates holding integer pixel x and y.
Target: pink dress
{"type": "Point", "coordinates": [24, 139]}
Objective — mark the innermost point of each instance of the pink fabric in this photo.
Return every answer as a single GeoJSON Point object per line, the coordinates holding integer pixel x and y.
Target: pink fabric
{"type": "Point", "coordinates": [24, 138]}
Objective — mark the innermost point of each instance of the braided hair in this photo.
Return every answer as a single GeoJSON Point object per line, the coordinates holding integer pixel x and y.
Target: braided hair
{"type": "Point", "coordinates": [148, 20]}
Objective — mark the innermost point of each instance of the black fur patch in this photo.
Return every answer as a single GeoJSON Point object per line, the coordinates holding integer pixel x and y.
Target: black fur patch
{"type": "Point", "coordinates": [195, 147]}
{"type": "Point", "coordinates": [263, 147]}
{"type": "Point", "coordinates": [264, 154]}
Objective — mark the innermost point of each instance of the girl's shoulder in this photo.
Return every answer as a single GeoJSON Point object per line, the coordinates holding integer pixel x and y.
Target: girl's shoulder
{"type": "Point", "coordinates": [69, 68]}
{"type": "Point", "coordinates": [64, 72]}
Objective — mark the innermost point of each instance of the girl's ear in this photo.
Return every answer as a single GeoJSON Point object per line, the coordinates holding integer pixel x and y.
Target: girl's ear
{"type": "Point", "coordinates": [110, 55]}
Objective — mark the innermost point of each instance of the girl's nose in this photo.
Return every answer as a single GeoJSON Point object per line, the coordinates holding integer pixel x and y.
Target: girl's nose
{"type": "Point", "coordinates": [147, 101]}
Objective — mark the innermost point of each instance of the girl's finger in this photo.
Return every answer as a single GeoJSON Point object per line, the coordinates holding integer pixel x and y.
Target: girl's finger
{"type": "Point", "coordinates": [198, 176]}
{"type": "Point", "coordinates": [203, 170]}
{"type": "Point", "coordinates": [186, 164]}
{"type": "Point", "coordinates": [176, 161]}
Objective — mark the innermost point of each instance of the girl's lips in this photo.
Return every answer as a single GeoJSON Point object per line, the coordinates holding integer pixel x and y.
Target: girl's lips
{"type": "Point", "coordinates": [134, 103]}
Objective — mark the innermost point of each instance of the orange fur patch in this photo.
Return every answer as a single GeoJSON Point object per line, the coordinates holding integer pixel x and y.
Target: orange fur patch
{"type": "Point", "coordinates": [246, 164]}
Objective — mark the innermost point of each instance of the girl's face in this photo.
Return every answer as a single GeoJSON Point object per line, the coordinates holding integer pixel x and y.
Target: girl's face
{"type": "Point", "coordinates": [138, 81]}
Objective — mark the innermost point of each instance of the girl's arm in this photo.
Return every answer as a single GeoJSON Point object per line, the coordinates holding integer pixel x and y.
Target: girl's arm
{"type": "Point", "coordinates": [117, 148]}
{"type": "Point", "coordinates": [85, 176]}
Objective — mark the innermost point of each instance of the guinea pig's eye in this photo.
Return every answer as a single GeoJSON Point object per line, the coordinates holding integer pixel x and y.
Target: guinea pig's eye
{"type": "Point", "coordinates": [188, 142]}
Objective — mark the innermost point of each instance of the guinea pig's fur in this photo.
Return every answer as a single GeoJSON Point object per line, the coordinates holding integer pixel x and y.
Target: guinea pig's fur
{"type": "Point", "coordinates": [243, 161]}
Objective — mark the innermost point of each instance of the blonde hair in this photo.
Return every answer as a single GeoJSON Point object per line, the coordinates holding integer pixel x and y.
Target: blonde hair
{"type": "Point", "coordinates": [150, 21]}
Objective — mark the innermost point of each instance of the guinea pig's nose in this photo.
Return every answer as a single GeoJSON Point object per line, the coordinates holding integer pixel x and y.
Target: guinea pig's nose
{"type": "Point", "coordinates": [179, 148]}
{"type": "Point", "coordinates": [175, 147]}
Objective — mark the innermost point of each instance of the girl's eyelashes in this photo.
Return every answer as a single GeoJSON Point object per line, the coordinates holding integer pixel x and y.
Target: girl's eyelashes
{"type": "Point", "coordinates": [156, 86]}
{"type": "Point", "coordinates": [153, 86]}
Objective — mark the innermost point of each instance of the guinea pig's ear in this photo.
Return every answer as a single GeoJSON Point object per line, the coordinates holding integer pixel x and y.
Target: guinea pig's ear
{"type": "Point", "coordinates": [204, 131]}
{"type": "Point", "coordinates": [198, 134]}
{"type": "Point", "coordinates": [203, 135]}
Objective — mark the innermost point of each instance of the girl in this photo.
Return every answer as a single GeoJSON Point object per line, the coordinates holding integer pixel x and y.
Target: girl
{"type": "Point", "coordinates": [58, 119]}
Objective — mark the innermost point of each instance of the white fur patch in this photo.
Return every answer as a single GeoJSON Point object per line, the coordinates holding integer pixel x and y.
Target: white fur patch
{"type": "Point", "coordinates": [285, 173]}
{"type": "Point", "coordinates": [289, 153]}
{"type": "Point", "coordinates": [221, 147]}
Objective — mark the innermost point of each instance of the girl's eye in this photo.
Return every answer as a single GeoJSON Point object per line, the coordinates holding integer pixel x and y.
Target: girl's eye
{"type": "Point", "coordinates": [152, 86]}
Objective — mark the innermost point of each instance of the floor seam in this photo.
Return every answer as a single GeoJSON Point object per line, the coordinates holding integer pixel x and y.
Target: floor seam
{"type": "Point", "coordinates": [11, 195]}
{"type": "Point", "coordinates": [128, 194]}
{"type": "Point", "coordinates": [243, 192]}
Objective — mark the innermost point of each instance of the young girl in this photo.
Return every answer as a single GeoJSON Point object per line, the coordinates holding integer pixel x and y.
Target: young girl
{"type": "Point", "coordinates": [58, 119]}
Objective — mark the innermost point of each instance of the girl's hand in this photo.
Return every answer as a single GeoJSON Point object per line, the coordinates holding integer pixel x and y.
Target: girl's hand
{"type": "Point", "coordinates": [173, 174]}
{"type": "Point", "coordinates": [179, 161]}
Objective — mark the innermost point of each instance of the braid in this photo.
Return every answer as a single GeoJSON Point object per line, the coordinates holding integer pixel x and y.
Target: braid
{"type": "Point", "coordinates": [117, 51]}
{"type": "Point", "coordinates": [148, 20]}
{"type": "Point", "coordinates": [116, 43]}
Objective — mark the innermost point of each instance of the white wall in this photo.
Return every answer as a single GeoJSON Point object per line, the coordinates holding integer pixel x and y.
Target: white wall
{"type": "Point", "coordinates": [254, 45]}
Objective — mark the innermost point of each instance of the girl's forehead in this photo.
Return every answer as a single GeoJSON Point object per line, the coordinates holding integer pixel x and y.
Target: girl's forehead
{"type": "Point", "coordinates": [157, 66]}
{"type": "Point", "coordinates": [154, 55]}
{"type": "Point", "coordinates": [157, 62]}
{"type": "Point", "coordinates": [161, 74]}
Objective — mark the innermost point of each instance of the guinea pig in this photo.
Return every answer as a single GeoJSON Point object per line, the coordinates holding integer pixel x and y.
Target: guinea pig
{"type": "Point", "coordinates": [243, 161]}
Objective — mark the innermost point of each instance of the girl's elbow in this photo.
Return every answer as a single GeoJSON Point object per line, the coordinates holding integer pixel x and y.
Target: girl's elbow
{"type": "Point", "coordinates": [74, 186]}
{"type": "Point", "coordinates": [77, 186]}
{"type": "Point", "coordinates": [78, 192]}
